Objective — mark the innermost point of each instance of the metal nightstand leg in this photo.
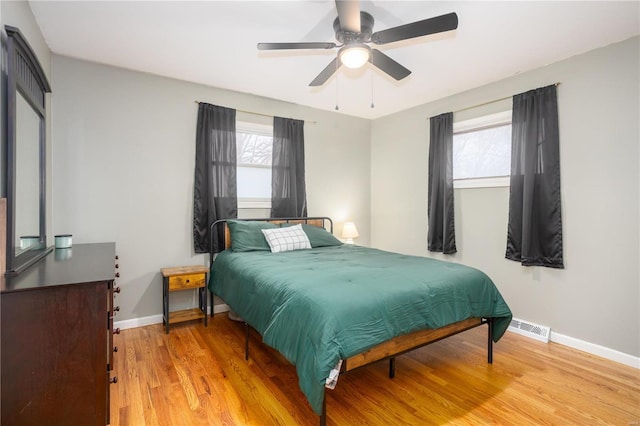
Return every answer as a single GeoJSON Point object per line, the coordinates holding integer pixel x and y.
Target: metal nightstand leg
{"type": "Point", "coordinates": [202, 293]}
{"type": "Point", "coordinates": [165, 303]}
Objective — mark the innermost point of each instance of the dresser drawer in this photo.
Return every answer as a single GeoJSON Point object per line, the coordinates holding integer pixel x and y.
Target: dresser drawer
{"type": "Point", "coordinates": [181, 282]}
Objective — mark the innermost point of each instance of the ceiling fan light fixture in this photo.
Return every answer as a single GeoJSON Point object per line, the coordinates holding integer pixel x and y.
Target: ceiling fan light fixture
{"type": "Point", "coordinates": [355, 55]}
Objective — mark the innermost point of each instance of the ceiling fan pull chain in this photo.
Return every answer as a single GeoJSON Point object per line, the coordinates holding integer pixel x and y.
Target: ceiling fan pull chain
{"type": "Point", "coordinates": [337, 66]}
{"type": "Point", "coordinates": [372, 105]}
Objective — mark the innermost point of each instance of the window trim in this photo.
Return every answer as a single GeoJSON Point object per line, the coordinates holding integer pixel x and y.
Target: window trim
{"type": "Point", "coordinates": [257, 166]}
{"type": "Point", "coordinates": [254, 203]}
{"type": "Point", "coordinates": [480, 123]}
{"type": "Point", "coordinates": [258, 129]}
{"type": "Point", "coordinates": [483, 182]}
{"type": "Point", "coordinates": [255, 128]}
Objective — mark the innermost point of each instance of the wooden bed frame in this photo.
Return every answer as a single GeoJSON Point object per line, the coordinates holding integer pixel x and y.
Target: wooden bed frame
{"type": "Point", "coordinates": [386, 350]}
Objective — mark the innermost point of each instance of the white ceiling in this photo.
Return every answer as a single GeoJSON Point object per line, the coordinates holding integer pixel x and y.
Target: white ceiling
{"type": "Point", "coordinates": [214, 43]}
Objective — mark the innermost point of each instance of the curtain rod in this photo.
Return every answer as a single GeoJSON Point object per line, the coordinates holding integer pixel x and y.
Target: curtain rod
{"type": "Point", "coordinates": [257, 113]}
{"type": "Point", "coordinates": [491, 102]}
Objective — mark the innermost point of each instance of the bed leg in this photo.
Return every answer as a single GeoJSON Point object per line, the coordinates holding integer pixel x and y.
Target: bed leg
{"type": "Point", "coordinates": [323, 416]}
{"type": "Point", "coordinates": [246, 341]}
{"type": "Point", "coordinates": [392, 367]}
{"type": "Point", "coordinates": [490, 341]}
{"type": "Point", "coordinates": [211, 294]}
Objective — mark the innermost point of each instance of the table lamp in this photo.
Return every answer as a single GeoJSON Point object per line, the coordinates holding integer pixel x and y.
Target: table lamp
{"type": "Point", "coordinates": [349, 232]}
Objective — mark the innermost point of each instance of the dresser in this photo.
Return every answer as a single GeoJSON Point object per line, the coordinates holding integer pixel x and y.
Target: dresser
{"type": "Point", "coordinates": [56, 336]}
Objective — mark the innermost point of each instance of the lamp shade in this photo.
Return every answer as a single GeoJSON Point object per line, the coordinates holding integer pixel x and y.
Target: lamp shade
{"type": "Point", "coordinates": [355, 55]}
{"type": "Point", "coordinates": [349, 232]}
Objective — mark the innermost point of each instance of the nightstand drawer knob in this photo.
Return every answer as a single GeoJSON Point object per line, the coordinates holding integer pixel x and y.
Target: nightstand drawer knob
{"type": "Point", "coordinates": [113, 380]}
{"type": "Point", "coordinates": [116, 309]}
{"type": "Point", "coordinates": [117, 274]}
{"type": "Point", "coordinates": [116, 290]}
{"type": "Point", "coordinates": [116, 331]}
{"type": "Point", "coordinates": [117, 266]}
{"type": "Point", "coordinates": [115, 349]}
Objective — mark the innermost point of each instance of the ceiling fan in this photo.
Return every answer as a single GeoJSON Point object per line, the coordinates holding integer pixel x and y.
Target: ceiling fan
{"type": "Point", "coordinates": [354, 28]}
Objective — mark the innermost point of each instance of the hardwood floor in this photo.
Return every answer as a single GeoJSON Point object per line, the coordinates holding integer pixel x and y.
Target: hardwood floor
{"type": "Point", "coordinates": [198, 376]}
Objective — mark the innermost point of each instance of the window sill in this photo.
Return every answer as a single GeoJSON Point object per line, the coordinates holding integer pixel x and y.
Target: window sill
{"type": "Point", "coordinates": [489, 182]}
{"type": "Point", "coordinates": [249, 203]}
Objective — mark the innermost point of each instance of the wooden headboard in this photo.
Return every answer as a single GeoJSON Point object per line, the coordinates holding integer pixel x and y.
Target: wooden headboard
{"type": "Point", "coordinates": [321, 222]}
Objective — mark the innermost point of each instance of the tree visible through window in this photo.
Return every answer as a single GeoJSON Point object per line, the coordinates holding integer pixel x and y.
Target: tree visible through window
{"type": "Point", "coordinates": [254, 149]}
{"type": "Point", "coordinates": [254, 153]}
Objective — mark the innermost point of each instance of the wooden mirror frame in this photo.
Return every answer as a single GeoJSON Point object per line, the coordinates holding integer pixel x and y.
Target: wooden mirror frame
{"type": "Point", "coordinates": [25, 76]}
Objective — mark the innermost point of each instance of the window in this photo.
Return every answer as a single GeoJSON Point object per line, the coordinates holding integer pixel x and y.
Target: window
{"type": "Point", "coordinates": [482, 151]}
{"type": "Point", "coordinates": [254, 150]}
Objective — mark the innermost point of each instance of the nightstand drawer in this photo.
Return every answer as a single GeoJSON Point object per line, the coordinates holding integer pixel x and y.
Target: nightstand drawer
{"type": "Point", "coordinates": [182, 282]}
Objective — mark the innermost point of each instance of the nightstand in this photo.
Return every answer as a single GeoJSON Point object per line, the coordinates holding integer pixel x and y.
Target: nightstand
{"type": "Point", "coordinates": [184, 278]}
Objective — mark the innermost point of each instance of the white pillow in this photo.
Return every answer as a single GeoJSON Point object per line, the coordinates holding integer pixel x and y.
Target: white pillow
{"type": "Point", "coordinates": [286, 239]}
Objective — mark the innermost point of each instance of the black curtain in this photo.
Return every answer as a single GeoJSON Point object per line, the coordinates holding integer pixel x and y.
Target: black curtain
{"type": "Point", "coordinates": [442, 235]}
{"type": "Point", "coordinates": [534, 234]}
{"type": "Point", "coordinates": [215, 194]}
{"type": "Point", "coordinates": [288, 193]}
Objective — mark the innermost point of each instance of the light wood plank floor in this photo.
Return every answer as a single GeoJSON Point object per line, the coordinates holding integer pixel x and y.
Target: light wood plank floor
{"type": "Point", "coordinates": [198, 376]}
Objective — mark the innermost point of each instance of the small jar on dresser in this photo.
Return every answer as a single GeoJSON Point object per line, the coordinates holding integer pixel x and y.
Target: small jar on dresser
{"type": "Point", "coordinates": [56, 322]}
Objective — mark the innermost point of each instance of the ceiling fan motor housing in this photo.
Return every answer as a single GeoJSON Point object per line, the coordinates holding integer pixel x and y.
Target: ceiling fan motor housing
{"type": "Point", "coordinates": [348, 37]}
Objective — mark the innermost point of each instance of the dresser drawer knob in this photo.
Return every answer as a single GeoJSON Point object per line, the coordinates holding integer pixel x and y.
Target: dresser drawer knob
{"type": "Point", "coordinates": [116, 290]}
{"type": "Point", "coordinates": [117, 274]}
{"type": "Point", "coordinates": [113, 380]}
{"type": "Point", "coordinates": [116, 309]}
{"type": "Point", "coordinates": [115, 349]}
{"type": "Point", "coordinates": [116, 331]}
{"type": "Point", "coordinates": [117, 266]}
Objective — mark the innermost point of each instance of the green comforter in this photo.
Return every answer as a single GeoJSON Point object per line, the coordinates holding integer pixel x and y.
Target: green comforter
{"type": "Point", "coordinates": [321, 305]}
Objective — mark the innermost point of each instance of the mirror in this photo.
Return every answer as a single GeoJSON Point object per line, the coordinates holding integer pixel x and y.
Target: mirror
{"type": "Point", "coordinates": [27, 195]}
{"type": "Point", "coordinates": [26, 165]}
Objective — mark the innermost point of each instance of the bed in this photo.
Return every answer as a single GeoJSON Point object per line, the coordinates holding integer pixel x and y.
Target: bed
{"type": "Point", "coordinates": [335, 307]}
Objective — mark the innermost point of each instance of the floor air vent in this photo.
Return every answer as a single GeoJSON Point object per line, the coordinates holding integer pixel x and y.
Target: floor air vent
{"type": "Point", "coordinates": [529, 329]}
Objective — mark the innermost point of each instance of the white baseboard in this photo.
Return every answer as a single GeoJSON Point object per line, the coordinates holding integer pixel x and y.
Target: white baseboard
{"type": "Point", "coordinates": [222, 307]}
{"type": "Point", "coordinates": [592, 348]}
{"type": "Point", "coordinates": [157, 319]}
{"type": "Point", "coordinates": [581, 345]}
{"type": "Point", "coordinates": [138, 322]}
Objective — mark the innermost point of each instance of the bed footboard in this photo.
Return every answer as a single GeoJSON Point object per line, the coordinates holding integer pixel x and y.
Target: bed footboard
{"type": "Point", "coordinates": [408, 342]}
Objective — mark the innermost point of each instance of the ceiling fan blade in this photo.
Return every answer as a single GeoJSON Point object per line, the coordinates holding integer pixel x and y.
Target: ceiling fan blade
{"type": "Point", "coordinates": [326, 73]}
{"type": "Point", "coordinates": [349, 15]}
{"type": "Point", "coordinates": [303, 45]}
{"type": "Point", "coordinates": [417, 29]}
{"type": "Point", "coordinates": [388, 65]}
